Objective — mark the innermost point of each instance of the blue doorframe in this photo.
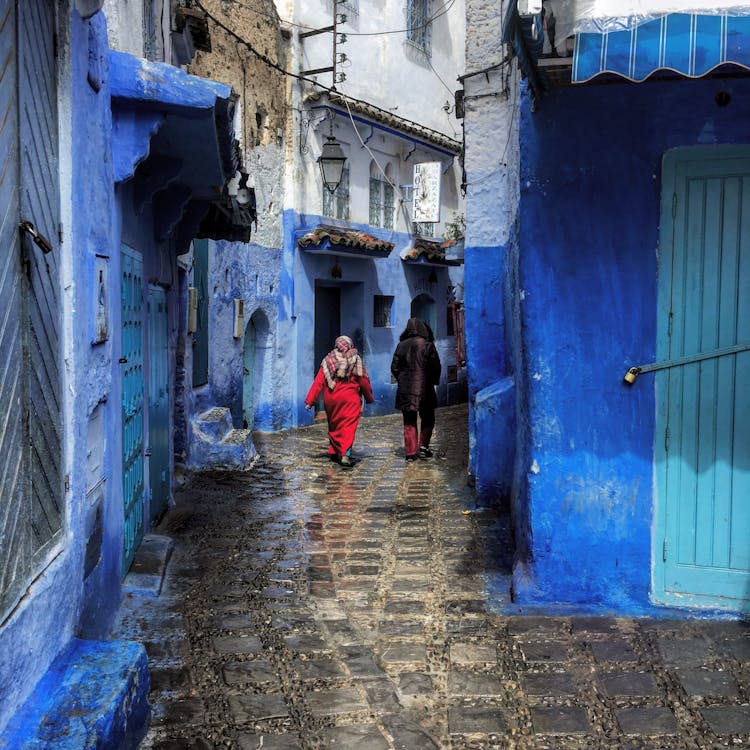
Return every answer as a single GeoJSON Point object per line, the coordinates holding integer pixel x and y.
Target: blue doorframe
{"type": "Point", "coordinates": [159, 470]}
{"type": "Point", "coordinates": [702, 447]}
{"type": "Point", "coordinates": [131, 359]}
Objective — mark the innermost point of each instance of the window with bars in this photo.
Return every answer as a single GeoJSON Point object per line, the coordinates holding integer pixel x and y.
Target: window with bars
{"type": "Point", "coordinates": [150, 49]}
{"type": "Point", "coordinates": [424, 229]}
{"type": "Point", "coordinates": [418, 24]}
{"type": "Point", "coordinates": [381, 197]}
{"type": "Point", "coordinates": [382, 311]}
{"type": "Point", "coordinates": [336, 204]}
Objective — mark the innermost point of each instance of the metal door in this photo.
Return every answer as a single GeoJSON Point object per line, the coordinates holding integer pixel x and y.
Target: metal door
{"type": "Point", "coordinates": [31, 492]}
{"type": "Point", "coordinates": [703, 418]}
{"type": "Point", "coordinates": [132, 401]}
{"type": "Point", "coordinates": [158, 402]}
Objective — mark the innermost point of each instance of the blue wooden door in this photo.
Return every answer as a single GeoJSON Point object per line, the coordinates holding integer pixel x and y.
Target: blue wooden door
{"type": "Point", "coordinates": [32, 504]}
{"type": "Point", "coordinates": [132, 401]}
{"type": "Point", "coordinates": [702, 555]}
{"type": "Point", "coordinates": [158, 402]}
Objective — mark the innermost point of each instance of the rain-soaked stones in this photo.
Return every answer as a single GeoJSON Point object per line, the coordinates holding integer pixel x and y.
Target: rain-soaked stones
{"type": "Point", "coordinates": [305, 608]}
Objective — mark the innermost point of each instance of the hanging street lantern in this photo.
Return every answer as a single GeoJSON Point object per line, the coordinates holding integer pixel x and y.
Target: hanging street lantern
{"type": "Point", "coordinates": [331, 162]}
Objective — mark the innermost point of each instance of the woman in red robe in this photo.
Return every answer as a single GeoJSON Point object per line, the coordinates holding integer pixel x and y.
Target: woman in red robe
{"type": "Point", "coordinates": [344, 381]}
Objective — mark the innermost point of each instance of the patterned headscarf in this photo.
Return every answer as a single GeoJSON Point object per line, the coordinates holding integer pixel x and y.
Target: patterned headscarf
{"type": "Point", "coordinates": [342, 362]}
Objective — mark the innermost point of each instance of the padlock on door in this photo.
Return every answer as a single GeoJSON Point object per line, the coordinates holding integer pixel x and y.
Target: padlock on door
{"type": "Point", "coordinates": [631, 375]}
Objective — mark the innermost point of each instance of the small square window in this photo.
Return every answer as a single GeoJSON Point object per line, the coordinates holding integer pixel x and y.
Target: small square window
{"type": "Point", "coordinates": [423, 228]}
{"type": "Point", "coordinates": [382, 311]}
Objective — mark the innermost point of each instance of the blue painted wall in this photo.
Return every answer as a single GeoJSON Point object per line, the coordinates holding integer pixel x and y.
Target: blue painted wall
{"type": "Point", "coordinates": [361, 280]}
{"type": "Point", "coordinates": [95, 232]}
{"type": "Point", "coordinates": [79, 589]}
{"type": "Point", "coordinates": [589, 221]}
{"type": "Point", "coordinates": [492, 403]}
{"type": "Point", "coordinates": [251, 273]}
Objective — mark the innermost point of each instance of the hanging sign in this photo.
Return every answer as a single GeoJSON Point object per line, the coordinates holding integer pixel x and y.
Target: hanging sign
{"type": "Point", "coordinates": [427, 191]}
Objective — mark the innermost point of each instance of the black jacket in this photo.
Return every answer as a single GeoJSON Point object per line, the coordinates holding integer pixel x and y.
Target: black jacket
{"type": "Point", "coordinates": [416, 368]}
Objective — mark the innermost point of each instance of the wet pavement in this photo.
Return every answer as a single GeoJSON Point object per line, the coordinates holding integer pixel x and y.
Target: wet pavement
{"type": "Point", "coordinates": [309, 606]}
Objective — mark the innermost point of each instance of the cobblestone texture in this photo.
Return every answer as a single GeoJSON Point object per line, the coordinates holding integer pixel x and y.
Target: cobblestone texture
{"type": "Point", "coordinates": [308, 606]}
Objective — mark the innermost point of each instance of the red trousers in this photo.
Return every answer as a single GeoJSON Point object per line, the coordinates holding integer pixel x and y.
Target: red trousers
{"type": "Point", "coordinates": [411, 444]}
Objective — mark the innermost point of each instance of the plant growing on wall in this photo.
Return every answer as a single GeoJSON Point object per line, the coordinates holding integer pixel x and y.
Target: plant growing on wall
{"type": "Point", "coordinates": [455, 229]}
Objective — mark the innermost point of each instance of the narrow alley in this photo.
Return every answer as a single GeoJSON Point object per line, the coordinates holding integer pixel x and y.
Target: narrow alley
{"type": "Point", "coordinates": [306, 606]}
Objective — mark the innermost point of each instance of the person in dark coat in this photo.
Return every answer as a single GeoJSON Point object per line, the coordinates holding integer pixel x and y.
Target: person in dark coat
{"type": "Point", "coordinates": [416, 368]}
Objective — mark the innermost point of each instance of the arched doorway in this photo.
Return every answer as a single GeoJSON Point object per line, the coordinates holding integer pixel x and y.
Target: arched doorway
{"type": "Point", "coordinates": [257, 389]}
{"type": "Point", "coordinates": [424, 308]}
{"type": "Point", "coordinates": [248, 375]}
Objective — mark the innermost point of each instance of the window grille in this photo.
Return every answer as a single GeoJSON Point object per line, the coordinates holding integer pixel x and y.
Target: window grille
{"type": "Point", "coordinates": [376, 205]}
{"type": "Point", "coordinates": [336, 204]}
{"type": "Point", "coordinates": [382, 311]}
{"type": "Point", "coordinates": [418, 24]}
{"type": "Point", "coordinates": [424, 229]}
{"type": "Point", "coordinates": [381, 197]}
{"type": "Point", "coordinates": [388, 206]}
{"type": "Point", "coordinates": [149, 31]}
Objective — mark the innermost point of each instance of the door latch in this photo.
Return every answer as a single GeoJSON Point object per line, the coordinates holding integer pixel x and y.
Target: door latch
{"type": "Point", "coordinates": [39, 239]}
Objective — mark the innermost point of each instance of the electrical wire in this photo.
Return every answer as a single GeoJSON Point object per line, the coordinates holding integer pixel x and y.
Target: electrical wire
{"type": "Point", "coordinates": [266, 60]}
{"type": "Point", "coordinates": [502, 164]}
{"type": "Point", "coordinates": [263, 58]}
{"type": "Point", "coordinates": [441, 12]}
{"type": "Point", "coordinates": [396, 188]}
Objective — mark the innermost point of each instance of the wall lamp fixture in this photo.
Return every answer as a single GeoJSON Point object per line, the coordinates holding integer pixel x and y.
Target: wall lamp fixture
{"type": "Point", "coordinates": [331, 161]}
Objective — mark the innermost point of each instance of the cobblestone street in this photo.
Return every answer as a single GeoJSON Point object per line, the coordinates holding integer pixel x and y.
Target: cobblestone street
{"type": "Point", "coordinates": [309, 606]}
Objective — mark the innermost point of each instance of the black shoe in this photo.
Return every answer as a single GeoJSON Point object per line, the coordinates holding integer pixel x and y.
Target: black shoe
{"type": "Point", "coordinates": [411, 458]}
{"type": "Point", "coordinates": [425, 452]}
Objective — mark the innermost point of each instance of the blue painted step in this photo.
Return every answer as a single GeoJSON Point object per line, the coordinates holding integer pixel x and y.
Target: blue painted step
{"type": "Point", "coordinates": [93, 696]}
{"type": "Point", "coordinates": [213, 443]}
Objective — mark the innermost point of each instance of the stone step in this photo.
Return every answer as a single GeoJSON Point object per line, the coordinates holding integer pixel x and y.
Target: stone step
{"type": "Point", "coordinates": [215, 423]}
{"type": "Point", "coordinates": [236, 437]}
{"type": "Point", "coordinates": [94, 695]}
{"type": "Point", "coordinates": [216, 444]}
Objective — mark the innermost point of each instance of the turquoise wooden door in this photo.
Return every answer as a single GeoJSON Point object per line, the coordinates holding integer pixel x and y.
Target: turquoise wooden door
{"type": "Point", "coordinates": [158, 403]}
{"type": "Point", "coordinates": [248, 377]}
{"type": "Point", "coordinates": [131, 362]}
{"type": "Point", "coordinates": [702, 555]}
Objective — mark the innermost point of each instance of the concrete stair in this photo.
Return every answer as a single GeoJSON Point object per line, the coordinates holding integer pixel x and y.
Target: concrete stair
{"type": "Point", "coordinates": [214, 443]}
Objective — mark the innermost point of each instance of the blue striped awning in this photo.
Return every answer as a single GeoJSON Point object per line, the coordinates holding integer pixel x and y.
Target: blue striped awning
{"type": "Point", "coordinates": [689, 44]}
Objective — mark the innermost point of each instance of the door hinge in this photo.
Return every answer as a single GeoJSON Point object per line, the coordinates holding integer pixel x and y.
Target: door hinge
{"type": "Point", "coordinates": [669, 324]}
{"type": "Point", "coordinates": [674, 205]}
{"type": "Point", "coordinates": [664, 551]}
{"type": "Point", "coordinates": [60, 232]}
{"type": "Point", "coordinates": [67, 482]}
{"type": "Point", "coordinates": [666, 440]}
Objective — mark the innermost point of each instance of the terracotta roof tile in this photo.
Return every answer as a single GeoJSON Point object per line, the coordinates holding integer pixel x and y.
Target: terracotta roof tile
{"type": "Point", "coordinates": [432, 250]}
{"type": "Point", "coordinates": [346, 237]}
